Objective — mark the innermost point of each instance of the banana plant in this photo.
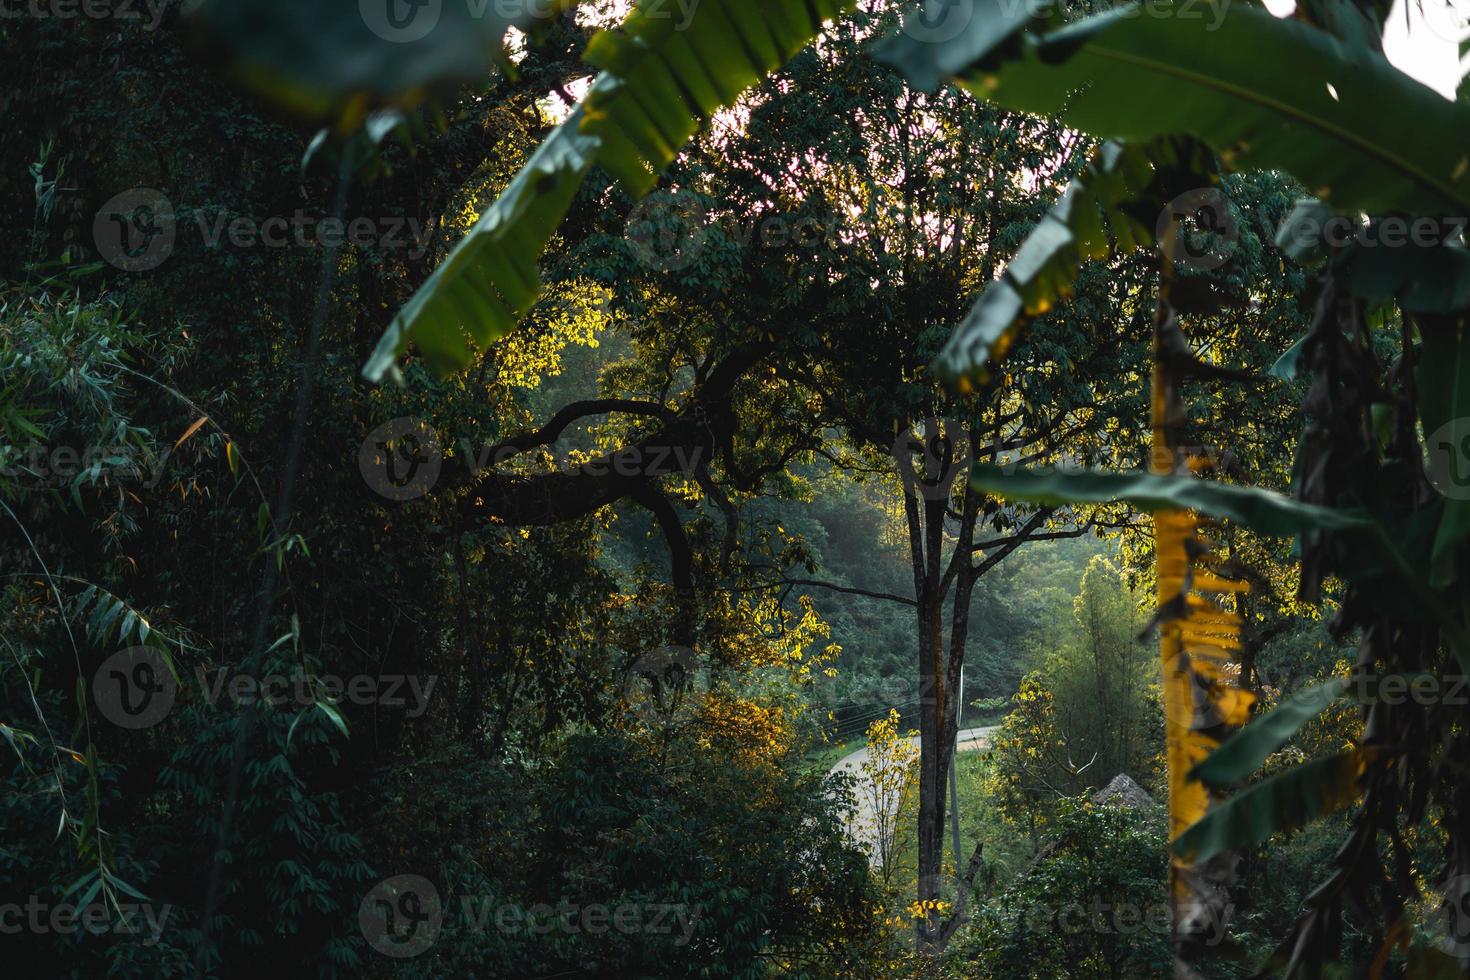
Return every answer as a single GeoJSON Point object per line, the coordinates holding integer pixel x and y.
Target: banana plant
{"type": "Point", "coordinates": [1261, 91]}
{"type": "Point", "coordinates": [1312, 96]}
{"type": "Point", "coordinates": [661, 79]}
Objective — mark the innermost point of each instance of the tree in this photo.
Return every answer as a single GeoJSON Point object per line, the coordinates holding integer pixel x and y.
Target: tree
{"type": "Point", "coordinates": [1091, 906]}
{"type": "Point", "coordinates": [886, 783]}
{"type": "Point", "coordinates": [1087, 712]}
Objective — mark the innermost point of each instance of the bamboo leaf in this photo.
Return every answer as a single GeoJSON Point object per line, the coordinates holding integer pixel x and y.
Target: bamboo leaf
{"type": "Point", "coordinates": [193, 428]}
{"type": "Point", "coordinates": [334, 716]}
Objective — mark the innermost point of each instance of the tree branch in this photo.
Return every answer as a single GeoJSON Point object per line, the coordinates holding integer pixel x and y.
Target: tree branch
{"type": "Point", "coordinates": [843, 588]}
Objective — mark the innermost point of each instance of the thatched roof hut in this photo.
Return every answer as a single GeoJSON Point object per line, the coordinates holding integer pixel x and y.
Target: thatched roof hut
{"type": "Point", "coordinates": [1124, 792]}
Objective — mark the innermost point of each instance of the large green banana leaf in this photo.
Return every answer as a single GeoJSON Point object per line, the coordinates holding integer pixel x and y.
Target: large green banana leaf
{"type": "Point", "coordinates": [1109, 209]}
{"type": "Point", "coordinates": [490, 279]}
{"type": "Point", "coordinates": [313, 55]}
{"type": "Point", "coordinates": [1255, 508]}
{"type": "Point", "coordinates": [665, 72]}
{"type": "Point", "coordinates": [1284, 802]}
{"type": "Point", "coordinates": [1243, 754]}
{"type": "Point", "coordinates": [1264, 91]}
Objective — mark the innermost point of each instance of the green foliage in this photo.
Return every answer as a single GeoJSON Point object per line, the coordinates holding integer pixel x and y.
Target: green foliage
{"type": "Point", "coordinates": [1282, 803]}
{"type": "Point", "coordinates": [659, 80]}
{"type": "Point", "coordinates": [666, 75]}
{"type": "Point", "coordinates": [1087, 712]}
{"type": "Point", "coordinates": [1107, 211]}
{"type": "Point", "coordinates": [748, 865]}
{"type": "Point", "coordinates": [527, 781]}
{"type": "Point", "coordinates": [1092, 905]}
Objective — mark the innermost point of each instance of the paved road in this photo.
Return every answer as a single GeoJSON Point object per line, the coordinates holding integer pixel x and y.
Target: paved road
{"type": "Point", "coordinates": [862, 825]}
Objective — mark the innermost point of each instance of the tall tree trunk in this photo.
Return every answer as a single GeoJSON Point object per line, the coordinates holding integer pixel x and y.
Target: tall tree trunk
{"type": "Point", "coordinates": [926, 536]}
{"type": "Point", "coordinates": [940, 661]}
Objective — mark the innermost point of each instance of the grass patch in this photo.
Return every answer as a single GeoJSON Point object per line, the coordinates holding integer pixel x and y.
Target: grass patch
{"type": "Point", "coordinates": [825, 756]}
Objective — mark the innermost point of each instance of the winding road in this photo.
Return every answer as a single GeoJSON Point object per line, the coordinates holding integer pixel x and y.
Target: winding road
{"type": "Point", "coordinates": [863, 825]}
